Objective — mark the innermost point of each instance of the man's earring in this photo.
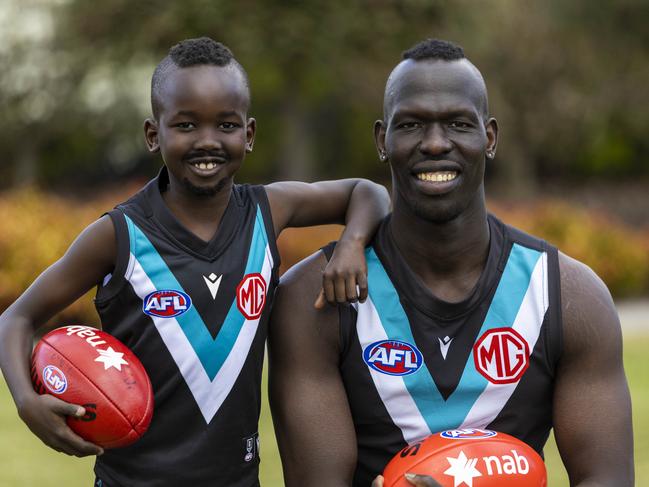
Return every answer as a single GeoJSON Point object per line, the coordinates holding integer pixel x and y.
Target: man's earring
{"type": "Point", "coordinates": [248, 148]}
{"type": "Point", "coordinates": [383, 156]}
{"type": "Point", "coordinates": [490, 154]}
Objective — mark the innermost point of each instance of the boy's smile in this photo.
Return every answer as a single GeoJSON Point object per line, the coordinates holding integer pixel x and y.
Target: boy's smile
{"type": "Point", "coordinates": [202, 131]}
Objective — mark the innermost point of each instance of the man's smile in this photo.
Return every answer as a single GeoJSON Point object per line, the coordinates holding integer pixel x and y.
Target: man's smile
{"type": "Point", "coordinates": [437, 176]}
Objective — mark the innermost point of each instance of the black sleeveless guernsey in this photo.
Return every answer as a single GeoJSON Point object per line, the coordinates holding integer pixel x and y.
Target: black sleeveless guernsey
{"type": "Point", "coordinates": [413, 364]}
{"type": "Point", "coordinates": [195, 313]}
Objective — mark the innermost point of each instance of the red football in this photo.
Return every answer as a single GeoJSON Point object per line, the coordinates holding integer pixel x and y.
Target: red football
{"type": "Point", "coordinates": [85, 366]}
{"type": "Point", "coordinates": [469, 457]}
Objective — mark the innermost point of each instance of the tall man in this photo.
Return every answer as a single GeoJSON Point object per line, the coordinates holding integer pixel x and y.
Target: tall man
{"type": "Point", "coordinates": [469, 323]}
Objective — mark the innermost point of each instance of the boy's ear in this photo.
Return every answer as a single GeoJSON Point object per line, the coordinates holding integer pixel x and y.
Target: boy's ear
{"type": "Point", "coordinates": [251, 128]}
{"type": "Point", "coordinates": [151, 135]}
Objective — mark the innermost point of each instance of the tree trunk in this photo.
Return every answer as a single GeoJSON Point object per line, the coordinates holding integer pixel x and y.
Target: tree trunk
{"type": "Point", "coordinates": [26, 165]}
{"type": "Point", "coordinates": [296, 158]}
{"type": "Point", "coordinates": [514, 175]}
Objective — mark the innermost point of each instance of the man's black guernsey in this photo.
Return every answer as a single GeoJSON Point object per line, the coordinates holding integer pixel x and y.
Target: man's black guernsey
{"type": "Point", "coordinates": [195, 313]}
{"type": "Point", "coordinates": [413, 365]}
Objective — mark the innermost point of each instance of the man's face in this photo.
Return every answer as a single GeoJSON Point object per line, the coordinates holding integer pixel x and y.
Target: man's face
{"type": "Point", "coordinates": [202, 129]}
{"type": "Point", "coordinates": [436, 135]}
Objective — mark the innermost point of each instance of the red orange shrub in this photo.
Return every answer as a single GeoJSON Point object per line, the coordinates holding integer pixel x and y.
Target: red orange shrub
{"type": "Point", "coordinates": [617, 253]}
{"type": "Point", "coordinates": [36, 228]}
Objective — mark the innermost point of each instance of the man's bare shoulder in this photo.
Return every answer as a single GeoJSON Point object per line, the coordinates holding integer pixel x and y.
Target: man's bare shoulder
{"type": "Point", "coordinates": [295, 319]}
{"type": "Point", "coordinates": [588, 312]}
{"type": "Point", "coordinates": [591, 396]}
{"type": "Point", "coordinates": [307, 272]}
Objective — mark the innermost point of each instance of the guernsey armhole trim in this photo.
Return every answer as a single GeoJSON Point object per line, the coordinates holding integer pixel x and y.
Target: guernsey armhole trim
{"type": "Point", "coordinates": [122, 259]}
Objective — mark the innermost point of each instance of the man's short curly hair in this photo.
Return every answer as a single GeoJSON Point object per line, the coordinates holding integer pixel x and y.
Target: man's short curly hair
{"type": "Point", "coordinates": [433, 50]}
{"type": "Point", "coordinates": [191, 52]}
{"type": "Point", "coordinates": [436, 49]}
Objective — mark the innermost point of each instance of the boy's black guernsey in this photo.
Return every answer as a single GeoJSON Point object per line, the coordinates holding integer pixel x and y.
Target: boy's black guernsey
{"type": "Point", "coordinates": [413, 364]}
{"type": "Point", "coordinates": [195, 313]}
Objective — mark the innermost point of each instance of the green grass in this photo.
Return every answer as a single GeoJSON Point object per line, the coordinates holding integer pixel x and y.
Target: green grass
{"type": "Point", "coordinates": [26, 462]}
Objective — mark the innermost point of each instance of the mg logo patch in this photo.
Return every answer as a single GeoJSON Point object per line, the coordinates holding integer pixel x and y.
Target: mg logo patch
{"type": "Point", "coordinates": [393, 357]}
{"type": "Point", "coordinates": [501, 355]}
{"type": "Point", "coordinates": [166, 304]}
{"type": "Point", "coordinates": [467, 434]}
{"type": "Point", "coordinates": [251, 295]}
{"type": "Point", "coordinates": [54, 379]}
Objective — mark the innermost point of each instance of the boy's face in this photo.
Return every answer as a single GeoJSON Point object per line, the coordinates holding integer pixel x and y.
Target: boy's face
{"type": "Point", "coordinates": [202, 131]}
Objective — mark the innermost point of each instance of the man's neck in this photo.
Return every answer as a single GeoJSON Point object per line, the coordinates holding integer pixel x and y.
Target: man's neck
{"type": "Point", "coordinates": [448, 257]}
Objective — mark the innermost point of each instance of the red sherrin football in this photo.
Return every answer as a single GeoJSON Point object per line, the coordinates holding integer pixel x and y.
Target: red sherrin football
{"type": "Point", "coordinates": [86, 366]}
{"type": "Point", "coordinates": [469, 458]}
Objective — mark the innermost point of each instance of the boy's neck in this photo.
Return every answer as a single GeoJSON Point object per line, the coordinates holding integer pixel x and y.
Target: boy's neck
{"type": "Point", "coordinates": [200, 214]}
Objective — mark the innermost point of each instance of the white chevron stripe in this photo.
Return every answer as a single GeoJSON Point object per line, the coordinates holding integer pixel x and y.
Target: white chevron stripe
{"type": "Point", "coordinates": [392, 389]}
{"type": "Point", "coordinates": [528, 324]}
{"type": "Point", "coordinates": [209, 395]}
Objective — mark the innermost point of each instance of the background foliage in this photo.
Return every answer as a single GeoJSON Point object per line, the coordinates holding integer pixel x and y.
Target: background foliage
{"type": "Point", "coordinates": [567, 82]}
{"type": "Point", "coordinates": [37, 227]}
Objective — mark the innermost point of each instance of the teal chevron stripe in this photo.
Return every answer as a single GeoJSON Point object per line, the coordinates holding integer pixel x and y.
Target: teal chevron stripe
{"type": "Point", "coordinates": [212, 352]}
{"type": "Point", "coordinates": [439, 413]}
{"type": "Point", "coordinates": [505, 304]}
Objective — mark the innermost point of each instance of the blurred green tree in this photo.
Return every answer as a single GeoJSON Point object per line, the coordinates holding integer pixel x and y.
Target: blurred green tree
{"type": "Point", "coordinates": [567, 82]}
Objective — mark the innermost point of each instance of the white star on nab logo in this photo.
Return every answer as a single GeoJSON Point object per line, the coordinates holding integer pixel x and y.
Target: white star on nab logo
{"type": "Point", "coordinates": [462, 469]}
{"type": "Point", "coordinates": [111, 358]}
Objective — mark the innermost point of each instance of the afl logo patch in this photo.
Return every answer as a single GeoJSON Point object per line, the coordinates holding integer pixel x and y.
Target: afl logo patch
{"type": "Point", "coordinates": [393, 357]}
{"type": "Point", "coordinates": [467, 434]}
{"type": "Point", "coordinates": [54, 379]}
{"type": "Point", "coordinates": [166, 303]}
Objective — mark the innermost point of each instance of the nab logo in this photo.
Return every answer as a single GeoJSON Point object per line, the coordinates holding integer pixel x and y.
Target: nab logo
{"type": "Point", "coordinates": [54, 379]}
{"type": "Point", "coordinates": [467, 434]}
{"type": "Point", "coordinates": [501, 355]}
{"type": "Point", "coordinates": [464, 469]}
{"type": "Point", "coordinates": [251, 296]}
{"type": "Point", "coordinates": [166, 304]}
{"type": "Point", "coordinates": [393, 357]}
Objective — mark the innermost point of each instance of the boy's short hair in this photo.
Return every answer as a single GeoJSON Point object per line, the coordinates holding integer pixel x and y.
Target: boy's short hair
{"type": "Point", "coordinates": [191, 52]}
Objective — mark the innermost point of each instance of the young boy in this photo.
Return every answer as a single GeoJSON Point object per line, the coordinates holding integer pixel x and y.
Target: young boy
{"type": "Point", "coordinates": [190, 230]}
